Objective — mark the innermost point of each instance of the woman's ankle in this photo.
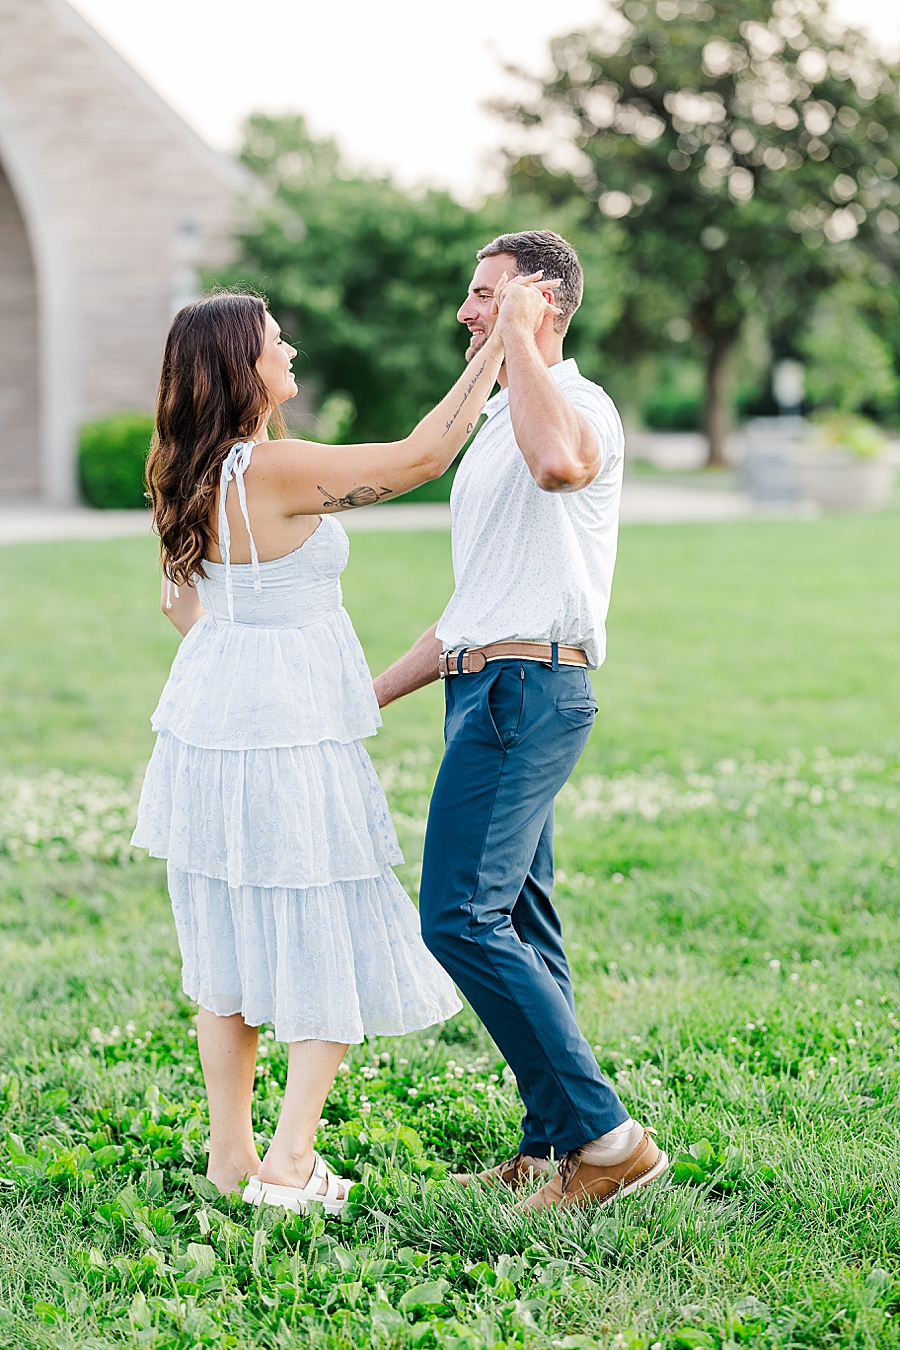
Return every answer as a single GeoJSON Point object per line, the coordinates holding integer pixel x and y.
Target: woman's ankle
{"type": "Point", "coordinates": [230, 1181]}
{"type": "Point", "coordinates": [287, 1168]}
{"type": "Point", "coordinates": [244, 1163]}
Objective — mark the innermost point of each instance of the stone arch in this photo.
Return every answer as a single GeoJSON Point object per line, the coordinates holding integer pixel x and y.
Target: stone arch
{"type": "Point", "coordinates": [44, 458]}
{"type": "Point", "coordinates": [108, 205]}
{"type": "Point", "coordinates": [20, 390]}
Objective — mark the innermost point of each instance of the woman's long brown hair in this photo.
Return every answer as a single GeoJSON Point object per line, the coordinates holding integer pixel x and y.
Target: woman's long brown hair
{"type": "Point", "coordinates": [210, 396]}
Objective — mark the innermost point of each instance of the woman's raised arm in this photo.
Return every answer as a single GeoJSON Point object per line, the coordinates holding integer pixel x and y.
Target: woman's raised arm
{"type": "Point", "coordinates": [311, 479]}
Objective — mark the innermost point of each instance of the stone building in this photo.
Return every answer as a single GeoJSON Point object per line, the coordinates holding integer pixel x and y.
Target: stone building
{"type": "Point", "coordinates": [108, 204]}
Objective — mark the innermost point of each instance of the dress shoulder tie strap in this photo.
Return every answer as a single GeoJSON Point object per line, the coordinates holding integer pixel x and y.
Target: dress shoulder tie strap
{"type": "Point", "coordinates": [235, 466]}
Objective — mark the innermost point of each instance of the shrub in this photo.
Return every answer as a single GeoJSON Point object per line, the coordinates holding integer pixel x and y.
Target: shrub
{"type": "Point", "coordinates": [673, 410]}
{"type": "Point", "coordinates": [846, 431]}
{"type": "Point", "coordinates": [111, 457]}
{"type": "Point", "coordinates": [850, 366]}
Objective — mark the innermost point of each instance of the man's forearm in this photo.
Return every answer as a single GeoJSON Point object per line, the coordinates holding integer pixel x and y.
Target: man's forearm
{"type": "Point", "coordinates": [556, 441]}
{"type": "Point", "coordinates": [414, 670]}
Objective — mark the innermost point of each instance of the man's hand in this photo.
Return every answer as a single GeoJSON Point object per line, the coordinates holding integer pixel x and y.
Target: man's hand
{"type": "Point", "coordinates": [523, 303]}
{"type": "Point", "coordinates": [557, 442]}
{"type": "Point", "coordinates": [417, 668]}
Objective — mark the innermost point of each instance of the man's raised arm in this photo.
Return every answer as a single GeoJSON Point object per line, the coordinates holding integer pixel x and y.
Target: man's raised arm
{"type": "Point", "coordinates": [557, 442]}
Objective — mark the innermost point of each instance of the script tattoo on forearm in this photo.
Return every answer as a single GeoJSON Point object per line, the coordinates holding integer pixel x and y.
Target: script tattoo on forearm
{"type": "Point", "coordinates": [361, 496]}
{"type": "Point", "coordinates": [469, 387]}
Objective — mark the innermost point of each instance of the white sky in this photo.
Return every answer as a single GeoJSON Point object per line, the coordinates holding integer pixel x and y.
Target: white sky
{"type": "Point", "coordinates": [399, 83]}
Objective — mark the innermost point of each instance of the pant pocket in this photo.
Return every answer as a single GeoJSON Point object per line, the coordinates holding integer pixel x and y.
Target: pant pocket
{"type": "Point", "coordinates": [578, 712]}
{"type": "Point", "coordinates": [506, 703]}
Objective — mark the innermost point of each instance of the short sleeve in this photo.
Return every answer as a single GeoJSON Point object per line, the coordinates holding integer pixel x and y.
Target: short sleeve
{"type": "Point", "coordinates": [600, 411]}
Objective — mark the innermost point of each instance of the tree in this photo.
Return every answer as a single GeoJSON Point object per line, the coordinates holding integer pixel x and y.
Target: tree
{"type": "Point", "coordinates": [850, 366]}
{"type": "Point", "coordinates": [364, 276]}
{"type": "Point", "coordinates": [368, 278]}
{"type": "Point", "coordinates": [747, 152]}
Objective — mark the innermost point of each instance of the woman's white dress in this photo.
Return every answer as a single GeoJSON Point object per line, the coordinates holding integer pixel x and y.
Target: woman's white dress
{"type": "Point", "coordinates": [277, 833]}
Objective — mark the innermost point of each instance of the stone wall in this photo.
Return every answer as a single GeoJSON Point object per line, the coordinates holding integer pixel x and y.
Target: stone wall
{"type": "Point", "coordinates": [121, 201]}
{"type": "Point", "coordinates": [19, 353]}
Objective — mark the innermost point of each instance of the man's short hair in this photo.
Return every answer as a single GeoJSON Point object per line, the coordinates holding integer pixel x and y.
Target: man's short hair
{"type": "Point", "coordinates": [544, 251]}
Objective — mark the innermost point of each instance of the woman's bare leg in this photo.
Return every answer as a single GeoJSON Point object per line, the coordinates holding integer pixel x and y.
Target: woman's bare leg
{"type": "Point", "coordinates": [228, 1055]}
{"type": "Point", "coordinates": [311, 1069]}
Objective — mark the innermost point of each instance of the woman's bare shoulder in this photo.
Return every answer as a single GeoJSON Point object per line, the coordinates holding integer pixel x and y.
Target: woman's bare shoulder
{"type": "Point", "coordinates": [286, 456]}
{"type": "Point", "coordinates": [287, 449]}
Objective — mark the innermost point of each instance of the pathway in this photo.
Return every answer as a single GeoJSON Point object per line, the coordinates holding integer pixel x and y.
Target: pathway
{"type": "Point", "coordinates": [643, 503]}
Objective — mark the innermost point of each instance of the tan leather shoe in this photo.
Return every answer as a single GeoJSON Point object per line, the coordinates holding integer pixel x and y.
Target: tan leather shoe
{"type": "Point", "coordinates": [576, 1182]}
{"type": "Point", "coordinates": [515, 1172]}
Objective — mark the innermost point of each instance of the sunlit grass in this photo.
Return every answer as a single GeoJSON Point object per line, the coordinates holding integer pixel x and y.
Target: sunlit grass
{"type": "Point", "coordinates": [729, 890]}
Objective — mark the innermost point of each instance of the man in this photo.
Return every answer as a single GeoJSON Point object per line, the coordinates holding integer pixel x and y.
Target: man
{"type": "Point", "coordinates": [535, 515]}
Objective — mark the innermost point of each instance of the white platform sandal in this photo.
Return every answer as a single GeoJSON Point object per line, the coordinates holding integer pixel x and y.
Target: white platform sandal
{"type": "Point", "coordinates": [297, 1198]}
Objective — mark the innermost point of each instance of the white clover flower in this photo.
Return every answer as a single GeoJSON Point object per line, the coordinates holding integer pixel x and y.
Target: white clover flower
{"type": "Point", "coordinates": [737, 784]}
{"type": "Point", "coordinates": [67, 816]}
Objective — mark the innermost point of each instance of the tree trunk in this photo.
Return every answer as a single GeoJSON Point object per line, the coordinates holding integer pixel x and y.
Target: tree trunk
{"type": "Point", "coordinates": [717, 419]}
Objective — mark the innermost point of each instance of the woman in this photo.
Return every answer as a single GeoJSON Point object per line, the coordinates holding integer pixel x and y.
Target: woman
{"type": "Point", "coordinates": [277, 834]}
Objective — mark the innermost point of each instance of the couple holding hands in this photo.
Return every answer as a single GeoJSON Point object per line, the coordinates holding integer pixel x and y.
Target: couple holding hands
{"type": "Point", "coordinates": [278, 837]}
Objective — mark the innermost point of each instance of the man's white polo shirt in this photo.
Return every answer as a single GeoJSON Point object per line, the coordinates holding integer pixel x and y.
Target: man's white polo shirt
{"type": "Point", "coordinates": [532, 565]}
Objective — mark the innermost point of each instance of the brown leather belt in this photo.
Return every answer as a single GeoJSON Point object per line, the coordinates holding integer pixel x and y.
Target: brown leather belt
{"type": "Point", "coordinates": [472, 659]}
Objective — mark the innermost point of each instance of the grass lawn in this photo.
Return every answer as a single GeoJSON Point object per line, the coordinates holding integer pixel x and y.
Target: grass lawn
{"type": "Point", "coordinates": [728, 876]}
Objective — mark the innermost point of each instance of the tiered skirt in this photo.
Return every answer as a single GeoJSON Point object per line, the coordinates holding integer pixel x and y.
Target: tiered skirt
{"type": "Point", "coordinates": [280, 856]}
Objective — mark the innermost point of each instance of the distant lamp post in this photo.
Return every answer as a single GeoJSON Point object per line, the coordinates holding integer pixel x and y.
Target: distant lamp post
{"type": "Point", "coordinates": [788, 387]}
{"type": "Point", "coordinates": [768, 473]}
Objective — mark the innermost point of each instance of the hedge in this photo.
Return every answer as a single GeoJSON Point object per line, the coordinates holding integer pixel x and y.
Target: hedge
{"type": "Point", "coordinates": [112, 453]}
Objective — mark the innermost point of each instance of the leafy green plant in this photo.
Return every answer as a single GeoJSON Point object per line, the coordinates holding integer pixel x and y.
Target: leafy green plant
{"type": "Point", "coordinates": [849, 365]}
{"type": "Point", "coordinates": [724, 1168]}
{"type": "Point", "coordinates": [112, 453]}
{"type": "Point", "coordinates": [845, 431]}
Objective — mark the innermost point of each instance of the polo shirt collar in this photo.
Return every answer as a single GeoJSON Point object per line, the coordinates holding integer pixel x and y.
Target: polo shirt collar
{"type": "Point", "coordinates": [500, 401]}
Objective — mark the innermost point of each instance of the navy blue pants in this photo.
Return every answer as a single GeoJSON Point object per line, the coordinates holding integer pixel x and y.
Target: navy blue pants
{"type": "Point", "coordinates": [514, 732]}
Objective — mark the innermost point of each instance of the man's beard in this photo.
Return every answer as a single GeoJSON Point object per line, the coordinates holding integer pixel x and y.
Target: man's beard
{"type": "Point", "coordinates": [476, 342]}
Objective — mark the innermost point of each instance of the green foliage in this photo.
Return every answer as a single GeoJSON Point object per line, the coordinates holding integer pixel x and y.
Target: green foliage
{"type": "Point", "coordinates": [368, 279]}
{"type": "Point", "coordinates": [334, 423]}
{"type": "Point", "coordinates": [669, 410]}
{"type": "Point", "coordinates": [112, 453]}
{"type": "Point", "coordinates": [673, 397]}
{"type": "Point", "coordinates": [745, 155]}
{"type": "Point", "coordinates": [850, 366]}
{"type": "Point", "coordinates": [844, 431]}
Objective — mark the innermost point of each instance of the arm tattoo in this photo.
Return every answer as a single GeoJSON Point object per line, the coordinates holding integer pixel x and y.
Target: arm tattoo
{"type": "Point", "coordinates": [361, 496]}
{"type": "Point", "coordinates": [469, 387]}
